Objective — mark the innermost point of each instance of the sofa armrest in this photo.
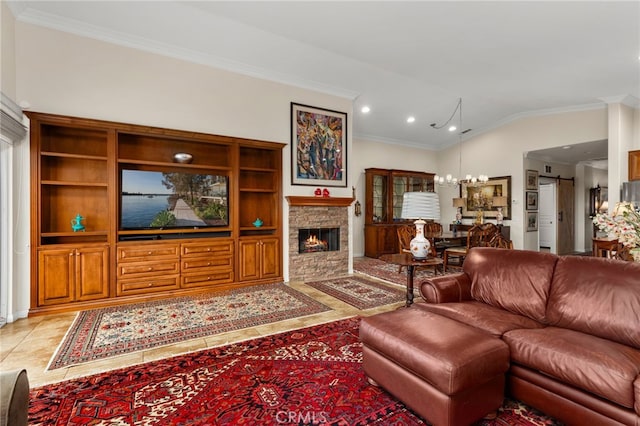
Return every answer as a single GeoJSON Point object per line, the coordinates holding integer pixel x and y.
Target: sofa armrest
{"type": "Point", "coordinates": [14, 398]}
{"type": "Point", "coordinates": [448, 288]}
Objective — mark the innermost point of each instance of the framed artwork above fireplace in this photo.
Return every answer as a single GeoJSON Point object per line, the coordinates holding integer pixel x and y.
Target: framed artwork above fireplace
{"type": "Point", "coordinates": [318, 146]}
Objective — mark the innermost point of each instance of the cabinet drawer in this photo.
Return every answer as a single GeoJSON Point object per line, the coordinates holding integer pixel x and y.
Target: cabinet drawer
{"type": "Point", "coordinates": [148, 285]}
{"type": "Point", "coordinates": [212, 277]}
{"type": "Point", "coordinates": [147, 252]}
{"type": "Point", "coordinates": [148, 268]}
{"type": "Point", "coordinates": [189, 264]}
{"type": "Point", "coordinates": [214, 248]}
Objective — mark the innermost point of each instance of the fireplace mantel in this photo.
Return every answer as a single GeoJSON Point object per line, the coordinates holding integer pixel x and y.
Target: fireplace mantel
{"type": "Point", "coordinates": [320, 201]}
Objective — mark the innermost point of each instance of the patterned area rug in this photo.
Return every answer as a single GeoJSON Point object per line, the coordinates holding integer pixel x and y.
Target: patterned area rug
{"type": "Point", "coordinates": [360, 292]}
{"type": "Point", "coordinates": [102, 333]}
{"type": "Point", "coordinates": [389, 272]}
{"type": "Point", "coordinates": [308, 376]}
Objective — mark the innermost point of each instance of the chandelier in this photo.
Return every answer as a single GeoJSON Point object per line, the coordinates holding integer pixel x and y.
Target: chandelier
{"type": "Point", "coordinates": [449, 179]}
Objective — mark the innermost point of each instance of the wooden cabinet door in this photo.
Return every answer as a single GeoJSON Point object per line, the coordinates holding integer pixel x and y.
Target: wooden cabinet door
{"type": "Point", "coordinates": [72, 274]}
{"type": "Point", "coordinates": [259, 258]}
{"type": "Point", "coordinates": [270, 258]}
{"type": "Point", "coordinates": [56, 270]}
{"type": "Point", "coordinates": [91, 273]}
{"type": "Point", "coordinates": [389, 239]}
{"type": "Point", "coordinates": [634, 165]}
{"type": "Point", "coordinates": [249, 260]}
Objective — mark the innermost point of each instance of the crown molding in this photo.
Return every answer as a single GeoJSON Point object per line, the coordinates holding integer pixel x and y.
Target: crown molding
{"type": "Point", "coordinates": [79, 28]}
{"type": "Point", "coordinates": [628, 100]}
{"type": "Point", "coordinates": [11, 128]}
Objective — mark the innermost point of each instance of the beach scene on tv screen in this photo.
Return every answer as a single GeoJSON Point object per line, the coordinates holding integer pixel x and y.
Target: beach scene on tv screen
{"type": "Point", "coordinates": [172, 200]}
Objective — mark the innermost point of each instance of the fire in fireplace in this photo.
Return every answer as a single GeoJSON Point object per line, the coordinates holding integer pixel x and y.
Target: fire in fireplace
{"type": "Point", "coordinates": [312, 240]}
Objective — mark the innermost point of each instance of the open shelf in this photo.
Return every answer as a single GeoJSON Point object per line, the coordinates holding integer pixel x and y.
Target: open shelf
{"type": "Point", "coordinates": [159, 150]}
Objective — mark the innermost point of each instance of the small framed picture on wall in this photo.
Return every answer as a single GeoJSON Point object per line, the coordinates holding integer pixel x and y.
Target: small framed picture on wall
{"type": "Point", "coordinates": [532, 200]}
{"type": "Point", "coordinates": [532, 221]}
{"type": "Point", "coordinates": [531, 179]}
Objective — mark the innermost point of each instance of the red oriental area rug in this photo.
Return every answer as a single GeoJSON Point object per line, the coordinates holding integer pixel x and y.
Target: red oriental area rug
{"type": "Point", "coordinates": [102, 333]}
{"type": "Point", "coordinates": [308, 376]}
{"type": "Point", "coordinates": [360, 292]}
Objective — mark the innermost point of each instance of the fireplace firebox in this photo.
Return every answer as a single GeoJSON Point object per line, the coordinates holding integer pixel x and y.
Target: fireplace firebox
{"type": "Point", "coordinates": [312, 240]}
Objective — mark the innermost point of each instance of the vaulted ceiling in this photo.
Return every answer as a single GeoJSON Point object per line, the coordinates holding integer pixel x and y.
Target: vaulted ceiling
{"type": "Point", "coordinates": [504, 59]}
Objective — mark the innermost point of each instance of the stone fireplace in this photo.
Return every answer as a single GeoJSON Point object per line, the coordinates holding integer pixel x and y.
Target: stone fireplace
{"type": "Point", "coordinates": [307, 215]}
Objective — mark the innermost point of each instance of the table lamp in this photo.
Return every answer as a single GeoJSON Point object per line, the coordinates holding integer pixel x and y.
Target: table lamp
{"type": "Point", "coordinates": [499, 203]}
{"type": "Point", "coordinates": [420, 206]}
{"type": "Point", "coordinates": [459, 203]}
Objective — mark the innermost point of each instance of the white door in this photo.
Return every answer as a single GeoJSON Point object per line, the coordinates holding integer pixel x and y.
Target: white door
{"type": "Point", "coordinates": [547, 220]}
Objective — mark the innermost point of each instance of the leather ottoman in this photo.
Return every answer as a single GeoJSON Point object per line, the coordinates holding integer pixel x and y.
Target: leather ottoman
{"type": "Point", "coordinates": [454, 374]}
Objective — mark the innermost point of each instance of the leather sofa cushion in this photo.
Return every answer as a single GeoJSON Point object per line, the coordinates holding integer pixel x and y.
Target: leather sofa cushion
{"type": "Point", "coordinates": [579, 301]}
{"type": "Point", "coordinates": [636, 388]}
{"type": "Point", "coordinates": [515, 280]}
{"type": "Point", "coordinates": [488, 318]}
{"type": "Point", "coordinates": [605, 368]}
{"type": "Point", "coordinates": [450, 356]}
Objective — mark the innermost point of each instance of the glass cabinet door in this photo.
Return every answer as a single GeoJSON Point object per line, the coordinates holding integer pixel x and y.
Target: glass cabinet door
{"type": "Point", "coordinates": [400, 185]}
{"type": "Point", "coordinates": [379, 196]}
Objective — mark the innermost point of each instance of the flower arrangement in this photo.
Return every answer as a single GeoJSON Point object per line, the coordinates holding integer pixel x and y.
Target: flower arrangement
{"type": "Point", "coordinates": [624, 223]}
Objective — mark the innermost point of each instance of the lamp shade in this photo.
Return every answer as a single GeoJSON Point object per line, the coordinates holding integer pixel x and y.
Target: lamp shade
{"type": "Point", "coordinates": [421, 205]}
{"type": "Point", "coordinates": [500, 201]}
{"type": "Point", "coordinates": [459, 202]}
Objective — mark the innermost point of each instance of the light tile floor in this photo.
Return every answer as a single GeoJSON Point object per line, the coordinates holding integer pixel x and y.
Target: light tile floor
{"type": "Point", "coordinates": [30, 343]}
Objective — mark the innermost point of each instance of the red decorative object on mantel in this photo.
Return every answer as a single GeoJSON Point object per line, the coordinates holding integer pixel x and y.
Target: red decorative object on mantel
{"type": "Point", "coordinates": [317, 192]}
{"type": "Point", "coordinates": [325, 193]}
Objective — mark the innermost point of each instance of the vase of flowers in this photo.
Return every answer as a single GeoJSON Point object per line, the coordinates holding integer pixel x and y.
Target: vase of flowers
{"type": "Point", "coordinates": [624, 224]}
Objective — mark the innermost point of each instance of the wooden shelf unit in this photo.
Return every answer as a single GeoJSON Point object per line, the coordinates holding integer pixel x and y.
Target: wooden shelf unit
{"type": "Point", "coordinates": [76, 168]}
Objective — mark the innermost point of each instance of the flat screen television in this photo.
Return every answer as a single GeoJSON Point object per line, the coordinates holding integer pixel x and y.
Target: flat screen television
{"type": "Point", "coordinates": [173, 200]}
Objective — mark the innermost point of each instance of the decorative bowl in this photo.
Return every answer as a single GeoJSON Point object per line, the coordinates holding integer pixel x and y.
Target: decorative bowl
{"type": "Point", "coordinates": [182, 157]}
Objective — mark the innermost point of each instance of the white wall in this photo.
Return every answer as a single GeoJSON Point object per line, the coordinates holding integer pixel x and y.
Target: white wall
{"type": "Point", "coordinates": [7, 52]}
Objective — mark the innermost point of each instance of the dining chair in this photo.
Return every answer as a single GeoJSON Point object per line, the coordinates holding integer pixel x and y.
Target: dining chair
{"type": "Point", "coordinates": [478, 236]}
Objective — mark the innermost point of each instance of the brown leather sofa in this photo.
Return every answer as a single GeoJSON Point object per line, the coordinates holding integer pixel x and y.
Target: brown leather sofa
{"type": "Point", "coordinates": [571, 323]}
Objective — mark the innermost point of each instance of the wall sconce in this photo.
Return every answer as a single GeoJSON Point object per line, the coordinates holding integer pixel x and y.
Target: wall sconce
{"type": "Point", "coordinates": [357, 208]}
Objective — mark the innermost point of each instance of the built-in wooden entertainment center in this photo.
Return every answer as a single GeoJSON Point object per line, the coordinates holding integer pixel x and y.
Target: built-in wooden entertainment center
{"type": "Point", "coordinates": [76, 169]}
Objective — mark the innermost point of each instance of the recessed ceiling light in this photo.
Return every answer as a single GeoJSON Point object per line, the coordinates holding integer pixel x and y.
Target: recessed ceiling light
{"type": "Point", "coordinates": [566, 147]}
{"type": "Point", "coordinates": [452, 128]}
{"type": "Point", "coordinates": [365, 109]}
{"type": "Point", "coordinates": [411, 119]}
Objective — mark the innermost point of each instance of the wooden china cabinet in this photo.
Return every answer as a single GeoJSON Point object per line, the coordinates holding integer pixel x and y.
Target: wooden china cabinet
{"type": "Point", "coordinates": [77, 169]}
{"type": "Point", "coordinates": [385, 189]}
